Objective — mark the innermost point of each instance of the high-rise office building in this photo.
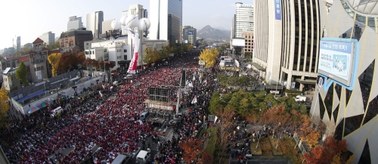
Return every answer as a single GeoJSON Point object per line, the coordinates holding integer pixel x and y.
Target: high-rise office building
{"type": "Point", "coordinates": [189, 34]}
{"type": "Point", "coordinates": [267, 39]}
{"type": "Point", "coordinates": [74, 23]}
{"type": "Point", "coordinates": [166, 20]}
{"type": "Point", "coordinates": [346, 94]}
{"type": "Point", "coordinates": [243, 19]}
{"type": "Point", "coordinates": [301, 33]}
{"type": "Point", "coordinates": [48, 38]}
{"type": "Point", "coordinates": [18, 43]}
{"type": "Point", "coordinates": [94, 23]}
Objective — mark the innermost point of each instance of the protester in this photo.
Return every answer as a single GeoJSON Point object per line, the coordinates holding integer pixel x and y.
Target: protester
{"type": "Point", "coordinates": [99, 126]}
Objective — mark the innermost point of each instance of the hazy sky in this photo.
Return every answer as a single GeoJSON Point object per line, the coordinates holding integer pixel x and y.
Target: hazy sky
{"type": "Point", "coordinates": [31, 18]}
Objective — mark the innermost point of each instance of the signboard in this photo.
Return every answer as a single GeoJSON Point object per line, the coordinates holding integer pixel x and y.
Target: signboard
{"type": "Point", "coordinates": [338, 60]}
{"type": "Point", "coordinates": [238, 42]}
{"type": "Point", "coordinates": [277, 7]}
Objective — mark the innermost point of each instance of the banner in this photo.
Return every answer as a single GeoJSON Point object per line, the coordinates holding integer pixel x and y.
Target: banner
{"type": "Point", "coordinates": [134, 61]}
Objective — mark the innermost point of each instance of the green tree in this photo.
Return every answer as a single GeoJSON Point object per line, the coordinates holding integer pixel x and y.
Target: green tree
{"type": "Point", "coordinates": [22, 74]}
{"type": "Point", "coordinates": [244, 106]}
{"type": "Point", "coordinates": [164, 52]}
{"type": "Point", "coordinates": [215, 103]}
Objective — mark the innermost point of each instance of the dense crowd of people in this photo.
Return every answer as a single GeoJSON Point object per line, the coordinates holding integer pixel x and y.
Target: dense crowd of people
{"type": "Point", "coordinates": [99, 126]}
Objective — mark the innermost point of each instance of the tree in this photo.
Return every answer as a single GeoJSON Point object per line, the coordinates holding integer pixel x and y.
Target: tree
{"type": "Point", "coordinates": [80, 58]}
{"type": "Point", "coordinates": [71, 60]}
{"type": "Point", "coordinates": [151, 56]}
{"type": "Point", "coordinates": [275, 116]}
{"type": "Point", "coordinates": [206, 158]}
{"type": "Point", "coordinates": [4, 107]}
{"type": "Point", "coordinates": [90, 63]}
{"type": "Point", "coordinates": [22, 74]}
{"type": "Point", "coordinates": [225, 127]}
{"type": "Point", "coordinates": [191, 148]}
{"type": "Point", "coordinates": [330, 151]}
{"type": "Point", "coordinates": [215, 103]}
{"type": "Point", "coordinates": [209, 56]}
{"type": "Point", "coordinates": [54, 61]}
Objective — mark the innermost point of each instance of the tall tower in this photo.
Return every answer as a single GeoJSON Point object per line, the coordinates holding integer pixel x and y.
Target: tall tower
{"type": "Point", "coordinates": [94, 23]}
{"type": "Point", "coordinates": [18, 43]}
{"type": "Point", "coordinates": [166, 20]}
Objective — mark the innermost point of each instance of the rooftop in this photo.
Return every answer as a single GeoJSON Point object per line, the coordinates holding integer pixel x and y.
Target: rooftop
{"type": "Point", "coordinates": [37, 41]}
{"type": "Point", "coordinates": [365, 7]}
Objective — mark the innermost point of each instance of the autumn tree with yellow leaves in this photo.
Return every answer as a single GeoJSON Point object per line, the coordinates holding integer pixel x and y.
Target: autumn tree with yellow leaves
{"type": "Point", "coordinates": [151, 56]}
{"type": "Point", "coordinates": [54, 60]}
{"type": "Point", "coordinates": [209, 56]}
{"type": "Point", "coordinates": [4, 107]}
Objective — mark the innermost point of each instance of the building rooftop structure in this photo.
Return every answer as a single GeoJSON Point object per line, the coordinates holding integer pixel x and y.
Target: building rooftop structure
{"type": "Point", "coordinates": [38, 41]}
{"type": "Point", "coordinates": [364, 7]}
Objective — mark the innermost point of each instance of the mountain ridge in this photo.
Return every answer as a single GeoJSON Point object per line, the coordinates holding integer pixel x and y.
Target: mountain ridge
{"type": "Point", "coordinates": [214, 34]}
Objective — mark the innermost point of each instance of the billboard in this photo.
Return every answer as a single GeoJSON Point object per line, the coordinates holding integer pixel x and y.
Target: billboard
{"type": "Point", "coordinates": [338, 59]}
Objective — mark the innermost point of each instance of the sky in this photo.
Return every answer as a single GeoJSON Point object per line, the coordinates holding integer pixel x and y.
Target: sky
{"type": "Point", "coordinates": [31, 18]}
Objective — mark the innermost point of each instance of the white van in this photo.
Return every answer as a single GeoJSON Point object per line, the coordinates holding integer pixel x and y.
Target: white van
{"type": "Point", "coordinates": [142, 156]}
{"type": "Point", "coordinates": [56, 111]}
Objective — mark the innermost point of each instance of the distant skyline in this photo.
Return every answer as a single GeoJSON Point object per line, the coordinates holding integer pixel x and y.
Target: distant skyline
{"type": "Point", "coordinates": [30, 19]}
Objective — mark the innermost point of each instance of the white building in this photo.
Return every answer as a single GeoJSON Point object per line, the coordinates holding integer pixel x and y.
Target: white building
{"type": "Point", "coordinates": [94, 23]}
{"type": "Point", "coordinates": [107, 26]}
{"type": "Point", "coordinates": [267, 40]}
{"type": "Point", "coordinates": [166, 20]}
{"type": "Point", "coordinates": [108, 50]}
{"type": "Point", "coordinates": [117, 50]}
{"type": "Point", "coordinates": [243, 19]}
{"type": "Point", "coordinates": [48, 38]}
{"type": "Point", "coordinates": [301, 31]}
{"type": "Point", "coordinates": [74, 23]}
